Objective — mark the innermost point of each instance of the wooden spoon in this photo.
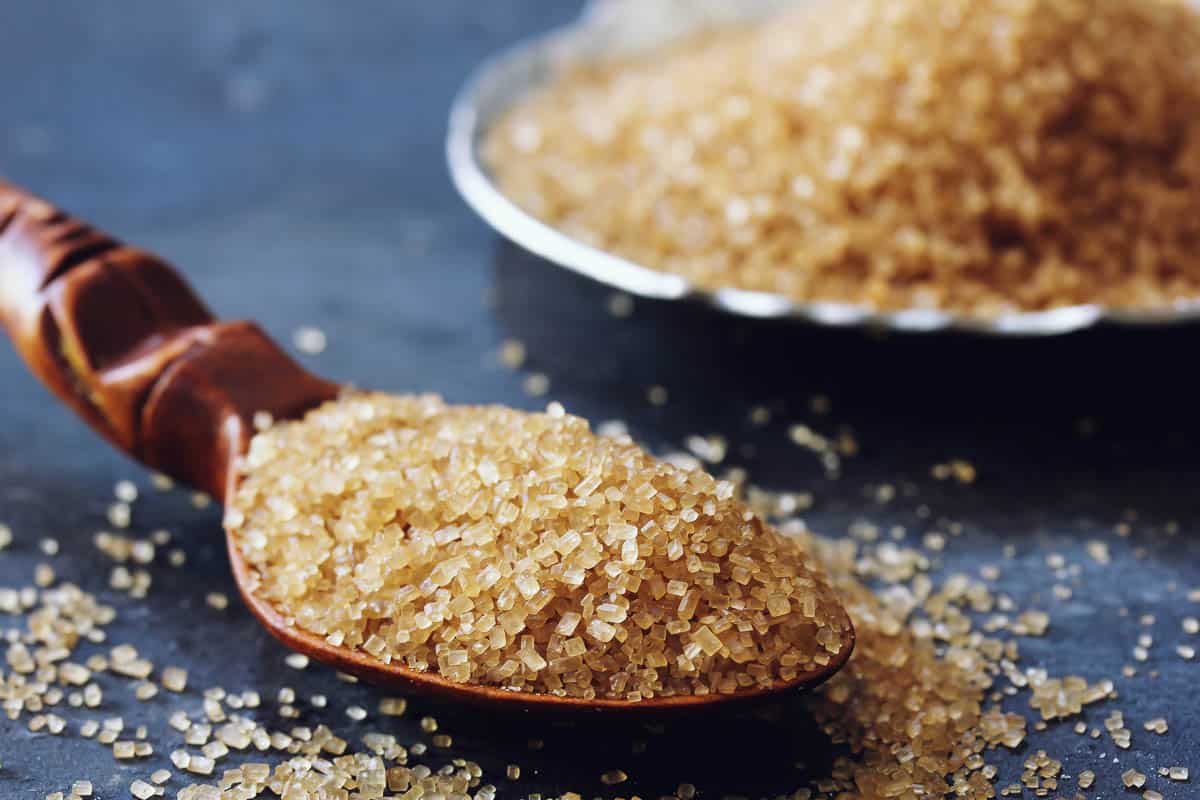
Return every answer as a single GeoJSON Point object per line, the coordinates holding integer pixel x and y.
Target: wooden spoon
{"type": "Point", "coordinates": [120, 337]}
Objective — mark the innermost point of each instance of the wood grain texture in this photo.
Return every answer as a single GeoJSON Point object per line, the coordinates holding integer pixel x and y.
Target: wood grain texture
{"type": "Point", "coordinates": [119, 336]}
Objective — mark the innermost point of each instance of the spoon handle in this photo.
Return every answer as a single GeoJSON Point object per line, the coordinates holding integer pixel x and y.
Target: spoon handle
{"type": "Point", "coordinates": [123, 340]}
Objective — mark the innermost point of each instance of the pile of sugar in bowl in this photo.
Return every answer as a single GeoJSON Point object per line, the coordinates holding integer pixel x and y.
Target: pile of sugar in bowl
{"type": "Point", "coordinates": [978, 155]}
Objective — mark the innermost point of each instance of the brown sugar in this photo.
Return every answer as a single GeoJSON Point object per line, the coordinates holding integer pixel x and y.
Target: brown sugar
{"type": "Point", "coordinates": [521, 550]}
{"type": "Point", "coordinates": [989, 156]}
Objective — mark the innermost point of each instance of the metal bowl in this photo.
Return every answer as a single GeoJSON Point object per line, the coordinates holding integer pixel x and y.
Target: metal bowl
{"type": "Point", "coordinates": [611, 28]}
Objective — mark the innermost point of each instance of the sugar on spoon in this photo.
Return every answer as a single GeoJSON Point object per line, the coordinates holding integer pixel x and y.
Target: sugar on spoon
{"type": "Point", "coordinates": [119, 336]}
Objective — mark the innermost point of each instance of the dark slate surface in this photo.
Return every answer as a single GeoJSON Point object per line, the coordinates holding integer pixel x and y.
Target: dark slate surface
{"type": "Point", "coordinates": [288, 156]}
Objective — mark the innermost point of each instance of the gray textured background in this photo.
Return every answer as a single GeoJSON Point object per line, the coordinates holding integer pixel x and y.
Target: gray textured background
{"type": "Point", "coordinates": [287, 155]}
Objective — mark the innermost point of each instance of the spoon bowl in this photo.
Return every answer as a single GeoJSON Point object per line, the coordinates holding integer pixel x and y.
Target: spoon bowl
{"type": "Point", "coordinates": [121, 338]}
{"type": "Point", "coordinates": [393, 676]}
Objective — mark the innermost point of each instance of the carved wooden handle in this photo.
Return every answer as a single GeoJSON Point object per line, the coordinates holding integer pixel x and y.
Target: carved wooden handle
{"type": "Point", "coordinates": [119, 336]}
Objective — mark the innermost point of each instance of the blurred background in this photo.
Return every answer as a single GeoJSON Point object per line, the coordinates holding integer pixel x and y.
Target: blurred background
{"type": "Point", "coordinates": [288, 157]}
